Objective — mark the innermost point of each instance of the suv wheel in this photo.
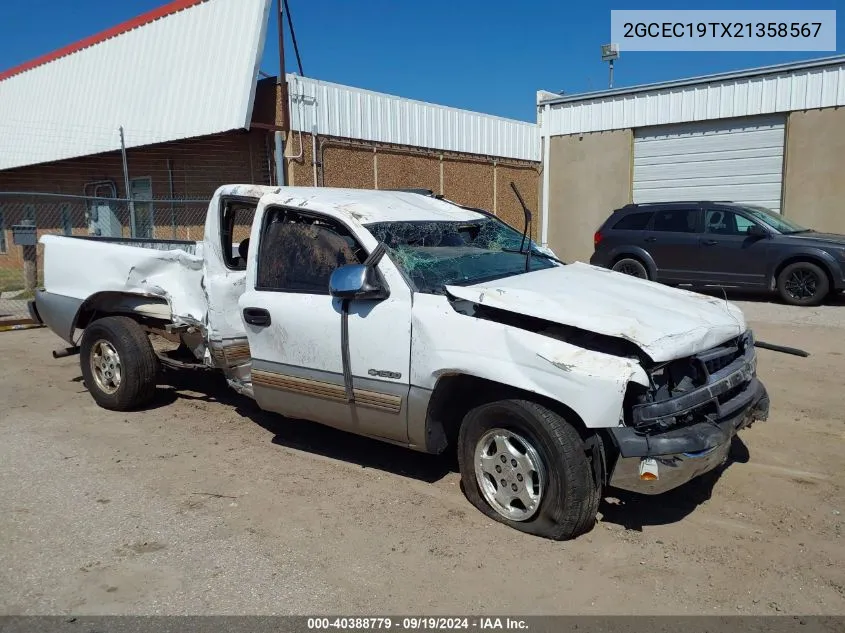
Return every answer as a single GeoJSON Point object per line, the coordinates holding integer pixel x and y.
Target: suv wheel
{"type": "Point", "coordinates": [527, 467]}
{"type": "Point", "coordinates": [631, 266]}
{"type": "Point", "coordinates": [803, 284]}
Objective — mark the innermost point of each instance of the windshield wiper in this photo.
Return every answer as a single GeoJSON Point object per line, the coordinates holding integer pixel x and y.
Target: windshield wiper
{"type": "Point", "coordinates": [527, 214]}
{"type": "Point", "coordinates": [534, 254]}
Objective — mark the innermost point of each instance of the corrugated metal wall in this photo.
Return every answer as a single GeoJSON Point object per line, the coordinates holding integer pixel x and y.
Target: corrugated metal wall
{"type": "Point", "coordinates": [342, 111]}
{"type": "Point", "coordinates": [188, 74]}
{"type": "Point", "coordinates": [800, 89]}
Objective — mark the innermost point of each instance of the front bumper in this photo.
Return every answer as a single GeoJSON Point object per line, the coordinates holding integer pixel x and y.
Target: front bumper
{"type": "Point", "coordinates": [689, 451]}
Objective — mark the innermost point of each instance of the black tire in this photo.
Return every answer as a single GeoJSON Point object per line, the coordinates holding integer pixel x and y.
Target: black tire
{"type": "Point", "coordinates": [631, 266]}
{"type": "Point", "coordinates": [570, 500]}
{"type": "Point", "coordinates": [803, 284]}
{"type": "Point", "coordinates": [137, 362]}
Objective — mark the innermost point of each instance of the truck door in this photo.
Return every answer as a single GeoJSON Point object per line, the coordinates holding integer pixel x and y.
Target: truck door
{"type": "Point", "coordinates": [225, 249]}
{"type": "Point", "coordinates": [294, 328]}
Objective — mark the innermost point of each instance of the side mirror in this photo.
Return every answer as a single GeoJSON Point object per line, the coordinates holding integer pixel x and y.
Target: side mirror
{"type": "Point", "coordinates": [356, 281]}
{"type": "Point", "coordinates": [755, 230]}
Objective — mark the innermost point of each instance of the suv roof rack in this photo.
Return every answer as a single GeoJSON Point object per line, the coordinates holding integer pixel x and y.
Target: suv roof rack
{"type": "Point", "coordinates": [637, 205]}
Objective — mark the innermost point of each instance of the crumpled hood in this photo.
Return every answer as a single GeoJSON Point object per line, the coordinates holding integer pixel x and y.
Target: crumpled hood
{"type": "Point", "coordinates": [666, 323]}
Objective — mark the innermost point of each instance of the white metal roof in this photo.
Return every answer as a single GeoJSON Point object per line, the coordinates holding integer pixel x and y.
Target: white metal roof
{"type": "Point", "coordinates": [337, 110]}
{"type": "Point", "coordinates": [368, 206]}
{"type": "Point", "coordinates": [187, 69]}
{"type": "Point", "coordinates": [818, 83]}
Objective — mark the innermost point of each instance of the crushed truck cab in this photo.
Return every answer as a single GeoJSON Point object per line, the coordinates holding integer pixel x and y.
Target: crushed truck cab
{"type": "Point", "coordinates": [417, 321]}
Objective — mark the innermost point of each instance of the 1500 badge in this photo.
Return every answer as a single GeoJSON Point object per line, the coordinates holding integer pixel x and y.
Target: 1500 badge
{"type": "Point", "coordinates": [385, 374]}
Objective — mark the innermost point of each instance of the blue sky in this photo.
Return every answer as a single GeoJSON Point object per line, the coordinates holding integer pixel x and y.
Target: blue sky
{"type": "Point", "coordinates": [485, 55]}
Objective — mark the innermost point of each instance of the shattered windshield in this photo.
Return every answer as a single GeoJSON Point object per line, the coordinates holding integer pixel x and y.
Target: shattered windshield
{"type": "Point", "coordinates": [436, 254]}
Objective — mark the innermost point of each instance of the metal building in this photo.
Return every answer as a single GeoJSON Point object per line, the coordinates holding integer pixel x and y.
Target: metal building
{"type": "Point", "coordinates": [773, 136]}
{"type": "Point", "coordinates": [191, 108]}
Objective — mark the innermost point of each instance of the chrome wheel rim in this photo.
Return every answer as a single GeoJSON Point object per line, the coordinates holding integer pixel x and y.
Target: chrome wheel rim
{"type": "Point", "coordinates": [630, 268]}
{"type": "Point", "coordinates": [510, 474]}
{"type": "Point", "coordinates": [802, 284]}
{"type": "Point", "coordinates": [105, 366]}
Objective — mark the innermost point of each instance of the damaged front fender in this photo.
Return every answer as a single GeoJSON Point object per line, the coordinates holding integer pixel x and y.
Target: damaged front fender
{"type": "Point", "coordinates": [591, 383]}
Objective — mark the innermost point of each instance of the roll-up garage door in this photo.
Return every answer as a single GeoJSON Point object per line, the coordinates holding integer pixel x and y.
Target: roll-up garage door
{"type": "Point", "coordinates": [733, 159]}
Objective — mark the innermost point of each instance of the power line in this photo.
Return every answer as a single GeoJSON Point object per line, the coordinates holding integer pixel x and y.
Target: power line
{"type": "Point", "coordinates": [293, 38]}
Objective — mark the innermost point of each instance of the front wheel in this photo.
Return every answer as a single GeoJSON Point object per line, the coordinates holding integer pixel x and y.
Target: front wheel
{"type": "Point", "coordinates": [527, 467]}
{"type": "Point", "coordinates": [803, 284]}
{"type": "Point", "coordinates": [118, 363]}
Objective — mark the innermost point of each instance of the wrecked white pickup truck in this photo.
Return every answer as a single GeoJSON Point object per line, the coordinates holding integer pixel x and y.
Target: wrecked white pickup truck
{"type": "Point", "coordinates": [417, 321]}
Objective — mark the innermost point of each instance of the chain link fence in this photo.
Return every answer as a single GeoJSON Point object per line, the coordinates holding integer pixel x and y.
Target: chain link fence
{"type": "Point", "coordinates": [25, 217]}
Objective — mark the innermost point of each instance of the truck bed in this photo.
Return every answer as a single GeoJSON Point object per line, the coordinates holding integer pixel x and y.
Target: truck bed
{"type": "Point", "coordinates": [78, 268]}
{"type": "Point", "coordinates": [189, 246]}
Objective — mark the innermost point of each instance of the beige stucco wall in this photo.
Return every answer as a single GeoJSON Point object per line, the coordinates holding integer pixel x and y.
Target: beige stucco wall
{"type": "Point", "coordinates": [590, 176]}
{"type": "Point", "coordinates": [814, 184]}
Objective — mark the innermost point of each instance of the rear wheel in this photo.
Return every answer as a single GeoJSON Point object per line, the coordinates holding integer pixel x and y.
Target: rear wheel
{"type": "Point", "coordinates": [803, 284]}
{"type": "Point", "coordinates": [527, 467]}
{"type": "Point", "coordinates": [118, 363]}
{"type": "Point", "coordinates": [631, 266]}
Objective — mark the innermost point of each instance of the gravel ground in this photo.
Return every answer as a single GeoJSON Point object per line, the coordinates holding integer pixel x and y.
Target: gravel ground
{"type": "Point", "coordinates": [769, 310]}
{"type": "Point", "coordinates": [204, 504]}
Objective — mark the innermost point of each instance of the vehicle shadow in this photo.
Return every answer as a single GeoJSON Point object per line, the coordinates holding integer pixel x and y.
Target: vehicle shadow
{"type": "Point", "coordinates": [629, 510]}
{"type": "Point", "coordinates": [634, 511]}
{"type": "Point", "coordinates": [303, 435]}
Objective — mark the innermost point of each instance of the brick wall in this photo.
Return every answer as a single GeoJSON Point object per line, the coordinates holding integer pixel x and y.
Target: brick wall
{"type": "Point", "coordinates": [466, 179]}
{"type": "Point", "coordinates": [197, 167]}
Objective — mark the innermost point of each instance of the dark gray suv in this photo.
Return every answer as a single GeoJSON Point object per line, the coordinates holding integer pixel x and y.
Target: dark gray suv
{"type": "Point", "coordinates": [722, 244]}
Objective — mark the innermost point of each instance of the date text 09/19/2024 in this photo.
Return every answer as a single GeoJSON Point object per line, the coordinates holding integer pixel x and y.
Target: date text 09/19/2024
{"type": "Point", "coordinates": [416, 623]}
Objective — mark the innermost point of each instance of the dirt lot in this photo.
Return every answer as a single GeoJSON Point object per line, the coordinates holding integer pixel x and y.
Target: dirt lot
{"type": "Point", "coordinates": [203, 504]}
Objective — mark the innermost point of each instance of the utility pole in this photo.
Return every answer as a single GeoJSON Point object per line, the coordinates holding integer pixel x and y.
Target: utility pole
{"type": "Point", "coordinates": [281, 137]}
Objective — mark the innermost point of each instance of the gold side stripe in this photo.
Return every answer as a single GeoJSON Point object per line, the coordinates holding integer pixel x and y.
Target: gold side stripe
{"type": "Point", "coordinates": [237, 354]}
{"type": "Point", "coordinates": [229, 355]}
{"type": "Point", "coordinates": [326, 390]}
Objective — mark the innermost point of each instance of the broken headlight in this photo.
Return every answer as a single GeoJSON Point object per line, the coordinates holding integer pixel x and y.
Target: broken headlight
{"type": "Point", "coordinates": [674, 378]}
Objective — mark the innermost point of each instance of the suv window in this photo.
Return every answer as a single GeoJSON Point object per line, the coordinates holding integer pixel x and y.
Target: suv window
{"type": "Point", "coordinates": [722, 222]}
{"type": "Point", "coordinates": [298, 253]}
{"type": "Point", "coordinates": [675, 220]}
{"type": "Point", "coordinates": [633, 222]}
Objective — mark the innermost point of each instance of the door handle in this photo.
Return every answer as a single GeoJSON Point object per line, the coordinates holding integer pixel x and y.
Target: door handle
{"type": "Point", "coordinates": [651, 239]}
{"type": "Point", "coordinates": [709, 242]}
{"type": "Point", "coordinates": [257, 316]}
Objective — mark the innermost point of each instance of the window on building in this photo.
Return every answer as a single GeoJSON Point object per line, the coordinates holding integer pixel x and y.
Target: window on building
{"type": "Point", "coordinates": [299, 253]}
{"type": "Point", "coordinates": [633, 222]}
{"type": "Point", "coordinates": [65, 219]}
{"type": "Point", "coordinates": [2, 232]}
{"type": "Point", "coordinates": [722, 222]}
{"type": "Point", "coordinates": [141, 192]}
{"type": "Point", "coordinates": [236, 218]}
{"type": "Point", "coordinates": [676, 220]}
